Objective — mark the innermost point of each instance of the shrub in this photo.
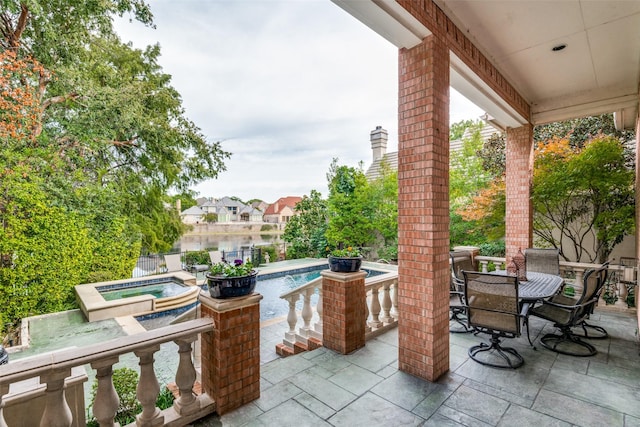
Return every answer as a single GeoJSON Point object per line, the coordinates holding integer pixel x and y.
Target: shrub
{"type": "Point", "coordinates": [125, 381]}
{"type": "Point", "coordinates": [495, 249]}
{"type": "Point", "coordinates": [197, 257]}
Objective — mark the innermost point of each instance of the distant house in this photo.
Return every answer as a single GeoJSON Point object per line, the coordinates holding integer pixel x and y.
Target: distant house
{"type": "Point", "coordinates": [250, 214]}
{"type": "Point", "coordinates": [193, 215]}
{"type": "Point", "coordinates": [261, 206]}
{"type": "Point", "coordinates": [379, 139]}
{"type": "Point", "coordinates": [233, 207]}
{"type": "Point", "coordinates": [282, 210]}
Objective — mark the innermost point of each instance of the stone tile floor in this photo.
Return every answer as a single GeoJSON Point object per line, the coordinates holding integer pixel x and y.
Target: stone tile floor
{"type": "Point", "coordinates": [365, 388]}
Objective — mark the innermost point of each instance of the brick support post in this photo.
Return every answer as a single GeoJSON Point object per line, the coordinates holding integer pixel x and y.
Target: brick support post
{"type": "Point", "coordinates": [344, 311]}
{"type": "Point", "coordinates": [423, 209]}
{"type": "Point", "coordinates": [231, 352]}
{"type": "Point", "coordinates": [519, 215]}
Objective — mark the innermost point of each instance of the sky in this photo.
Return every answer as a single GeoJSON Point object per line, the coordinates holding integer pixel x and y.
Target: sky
{"type": "Point", "coordinates": [285, 86]}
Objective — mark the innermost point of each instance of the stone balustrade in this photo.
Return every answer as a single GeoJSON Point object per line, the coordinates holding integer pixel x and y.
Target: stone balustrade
{"type": "Point", "coordinates": [572, 272]}
{"type": "Point", "coordinates": [50, 405]}
{"type": "Point", "coordinates": [381, 311]}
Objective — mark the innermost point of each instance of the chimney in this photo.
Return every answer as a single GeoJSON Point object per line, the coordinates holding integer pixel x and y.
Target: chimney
{"type": "Point", "coordinates": [179, 205]}
{"type": "Point", "coordinates": [379, 139]}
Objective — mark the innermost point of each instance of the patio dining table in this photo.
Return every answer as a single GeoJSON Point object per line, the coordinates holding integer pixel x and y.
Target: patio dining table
{"type": "Point", "coordinates": [539, 286]}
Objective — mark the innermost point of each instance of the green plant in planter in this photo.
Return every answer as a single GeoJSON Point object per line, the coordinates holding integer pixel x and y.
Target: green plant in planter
{"type": "Point", "coordinates": [235, 269]}
{"type": "Point", "coordinates": [349, 251]}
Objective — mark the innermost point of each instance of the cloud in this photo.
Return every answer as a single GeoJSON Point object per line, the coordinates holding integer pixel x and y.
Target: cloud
{"type": "Point", "coordinates": [286, 86]}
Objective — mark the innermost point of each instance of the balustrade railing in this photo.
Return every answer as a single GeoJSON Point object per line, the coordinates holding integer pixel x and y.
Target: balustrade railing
{"type": "Point", "coordinates": [572, 272]}
{"type": "Point", "coordinates": [55, 370]}
{"type": "Point", "coordinates": [381, 313]}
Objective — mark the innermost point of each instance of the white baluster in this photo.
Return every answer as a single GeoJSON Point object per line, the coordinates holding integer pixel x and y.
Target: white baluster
{"type": "Point", "coordinates": [307, 313]}
{"type": "Point", "coordinates": [375, 308]}
{"type": "Point", "coordinates": [4, 389]}
{"type": "Point", "coordinates": [367, 328]}
{"type": "Point", "coordinates": [148, 389]}
{"type": "Point", "coordinates": [185, 378]}
{"type": "Point", "coordinates": [56, 411]}
{"type": "Point", "coordinates": [318, 326]}
{"type": "Point", "coordinates": [386, 303]}
{"type": "Point", "coordinates": [484, 265]}
{"type": "Point", "coordinates": [292, 319]}
{"type": "Point", "coordinates": [106, 401]}
{"type": "Point", "coordinates": [394, 300]}
{"type": "Point", "coordinates": [579, 278]}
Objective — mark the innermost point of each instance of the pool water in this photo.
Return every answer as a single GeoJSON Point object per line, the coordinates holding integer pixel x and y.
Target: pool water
{"type": "Point", "coordinates": [158, 290]}
{"type": "Point", "coordinates": [272, 306]}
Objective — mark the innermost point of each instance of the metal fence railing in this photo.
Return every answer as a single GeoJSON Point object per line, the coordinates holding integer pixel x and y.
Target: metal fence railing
{"type": "Point", "coordinates": [154, 263]}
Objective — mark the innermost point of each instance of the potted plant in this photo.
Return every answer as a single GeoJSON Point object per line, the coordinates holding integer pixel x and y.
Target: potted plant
{"type": "Point", "coordinates": [345, 260]}
{"type": "Point", "coordinates": [228, 280]}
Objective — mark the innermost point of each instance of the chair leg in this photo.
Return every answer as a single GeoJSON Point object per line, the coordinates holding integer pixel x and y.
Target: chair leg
{"type": "Point", "coordinates": [513, 362]}
{"type": "Point", "coordinates": [599, 334]}
{"type": "Point", "coordinates": [455, 316]}
{"type": "Point", "coordinates": [526, 324]}
{"type": "Point", "coordinates": [553, 341]}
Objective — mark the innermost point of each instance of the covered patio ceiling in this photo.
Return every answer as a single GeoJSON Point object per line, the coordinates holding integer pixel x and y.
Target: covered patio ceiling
{"type": "Point", "coordinates": [567, 59]}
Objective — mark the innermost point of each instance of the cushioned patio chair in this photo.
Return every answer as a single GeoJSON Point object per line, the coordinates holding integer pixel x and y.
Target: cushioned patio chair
{"type": "Point", "coordinates": [173, 262]}
{"type": "Point", "coordinates": [460, 260]}
{"type": "Point", "coordinates": [493, 308]}
{"type": "Point", "coordinates": [567, 313]}
{"type": "Point", "coordinates": [543, 260]}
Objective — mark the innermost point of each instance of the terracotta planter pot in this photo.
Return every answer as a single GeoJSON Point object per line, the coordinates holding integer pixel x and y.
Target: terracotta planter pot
{"type": "Point", "coordinates": [230, 287]}
{"type": "Point", "coordinates": [344, 264]}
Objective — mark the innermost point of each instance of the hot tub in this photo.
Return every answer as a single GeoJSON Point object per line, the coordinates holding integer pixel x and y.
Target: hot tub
{"type": "Point", "coordinates": [137, 296]}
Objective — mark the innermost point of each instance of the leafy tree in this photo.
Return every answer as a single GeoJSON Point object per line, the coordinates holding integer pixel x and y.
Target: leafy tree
{"type": "Point", "coordinates": [457, 129]}
{"type": "Point", "coordinates": [305, 231]}
{"type": "Point", "coordinates": [582, 195]}
{"type": "Point", "coordinates": [384, 197]}
{"type": "Point", "coordinates": [107, 114]}
{"type": "Point", "coordinates": [579, 131]}
{"type": "Point", "coordinates": [466, 175]}
{"type": "Point", "coordinates": [349, 207]}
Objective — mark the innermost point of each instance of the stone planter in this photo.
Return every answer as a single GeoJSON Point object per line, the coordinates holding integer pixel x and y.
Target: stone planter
{"type": "Point", "coordinates": [344, 264]}
{"type": "Point", "coordinates": [229, 287]}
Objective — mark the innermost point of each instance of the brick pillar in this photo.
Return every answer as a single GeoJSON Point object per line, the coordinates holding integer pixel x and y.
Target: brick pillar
{"type": "Point", "coordinates": [344, 311]}
{"type": "Point", "coordinates": [231, 352]}
{"type": "Point", "coordinates": [519, 215]}
{"type": "Point", "coordinates": [423, 209]}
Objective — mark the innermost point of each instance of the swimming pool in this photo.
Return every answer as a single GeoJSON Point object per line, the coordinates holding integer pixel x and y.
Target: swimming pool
{"type": "Point", "coordinates": [169, 288]}
{"type": "Point", "coordinates": [272, 306]}
{"type": "Point", "coordinates": [137, 296]}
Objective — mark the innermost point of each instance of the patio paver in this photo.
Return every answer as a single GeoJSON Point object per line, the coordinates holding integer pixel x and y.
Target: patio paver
{"type": "Point", "coordinates": [366, 388]}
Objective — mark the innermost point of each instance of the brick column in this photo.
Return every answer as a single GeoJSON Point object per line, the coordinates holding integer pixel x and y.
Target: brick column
{"type": "Point", "coordinates": [519, 214]}
{"type": "Point", "coordinates": [344, 311]}
{"type": "Point", "coordinates": [231, 352]}
{"type": "Point", "coordinates": [423, 209]}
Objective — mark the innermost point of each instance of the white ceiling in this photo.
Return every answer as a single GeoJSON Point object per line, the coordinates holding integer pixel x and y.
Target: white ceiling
{"type": "Point", "coordinates": [598, 71]}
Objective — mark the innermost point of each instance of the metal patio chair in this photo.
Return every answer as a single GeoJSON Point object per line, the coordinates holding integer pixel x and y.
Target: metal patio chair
{"type": "Point", "coordinates": [543, 260]}
{"type": "Point", "coordinates": [567, 313]}
{"type": "Point", "coordinates": [460, 261]}
{"type": "Point", "coordinates": [493, 308]}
